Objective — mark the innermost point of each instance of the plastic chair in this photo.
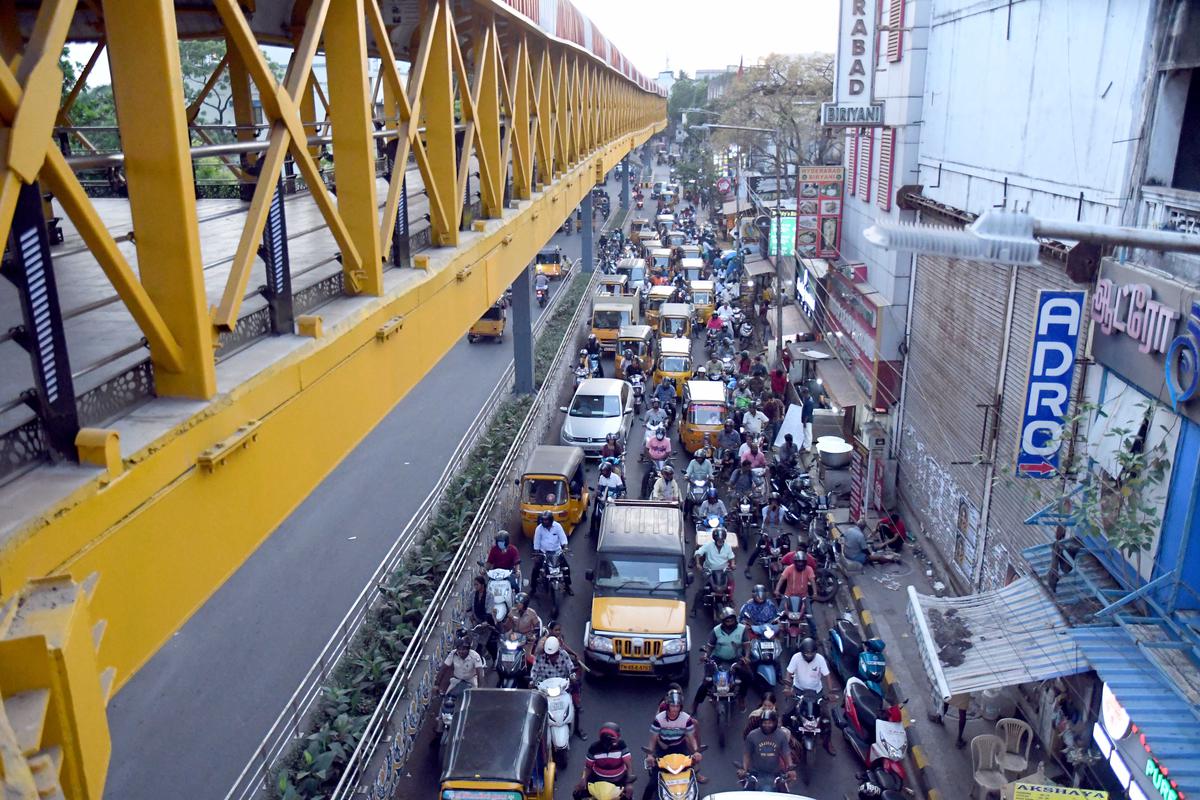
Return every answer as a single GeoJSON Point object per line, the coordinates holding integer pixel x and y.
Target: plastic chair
{"type": "Point", "coordinates": [985, 764]}
{"type": "Point", "coordinates": [1018, 738]}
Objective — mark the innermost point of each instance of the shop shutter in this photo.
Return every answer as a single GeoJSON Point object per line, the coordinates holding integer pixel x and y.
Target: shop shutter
{"type": "Point", "coordinates": [1015, 499]}
{"type": "Point", "coordinates": [895, 32]}
{"type": "Point", "coordinates": [953, 361]}
{"type": "Point", "coordinates": [866, 142]}
{"type": "Point", "coordinates": [883, 191]}
{"type": "Point", "coordinates": [852, 160]}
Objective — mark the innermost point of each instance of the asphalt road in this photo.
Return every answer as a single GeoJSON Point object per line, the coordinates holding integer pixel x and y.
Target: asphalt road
{"type": "Point", "coordinates": [189, 720]}
{"type": "Point", "coordinates": [631, 701]}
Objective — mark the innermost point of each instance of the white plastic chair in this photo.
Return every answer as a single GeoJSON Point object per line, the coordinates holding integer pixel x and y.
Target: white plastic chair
{"type": "Point", "coordinates": [985, 764]}
{"type": "Point", "coordinates": [1018, 738]}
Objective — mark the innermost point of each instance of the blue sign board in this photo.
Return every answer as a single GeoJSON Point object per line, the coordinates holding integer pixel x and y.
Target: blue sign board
{"type": "Point", "coordinates": [1048, 390]}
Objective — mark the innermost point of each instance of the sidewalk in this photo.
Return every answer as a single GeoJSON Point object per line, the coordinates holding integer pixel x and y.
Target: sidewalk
{"type": "Point", "coordinates": [936, 766]}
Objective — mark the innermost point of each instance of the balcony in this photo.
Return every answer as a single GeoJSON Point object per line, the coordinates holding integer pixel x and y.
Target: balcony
{"type": "Point", "coordinates": [1168, 209]}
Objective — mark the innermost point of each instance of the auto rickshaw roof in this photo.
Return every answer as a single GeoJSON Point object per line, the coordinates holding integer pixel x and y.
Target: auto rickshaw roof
{"type": "Point", "coordinates": [661, 292]}
{"type": "Point", "coordinates": [610, 306]}
{"type": "Point", "coordinates": [660, 251]}
{"type": "Point", "coordinates": [675, 347]}
{"type": "Point", "coordinates": [554, 459]}
{"type": "Point", "coordinates": [692, 263]}
{"type": "Point", "coordinates": [495, 735]}
{"type": "Point", "coordinates": [630, 263]}
{"type": "Point", "coordinates": [650, 244]}
{"type": "Point", "coordinates": [635, 332]}
{"type": "Point", "coordinates": [614, 279]}
{"type": "Point", "coordinates": [706, 391]}
{"type": "Point", "coordinates": [675, 310]}
{"type": "Point", "coordinates": [666, 217]}
{"type": "Point", "coordinates": [549, 251]}
{"type": "Point", "coordinates": [702, 286]}
{"type": "Point", "coordinates": [690, 248]}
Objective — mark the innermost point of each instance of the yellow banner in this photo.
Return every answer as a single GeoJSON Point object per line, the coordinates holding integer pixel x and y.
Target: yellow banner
{"type": "Point", "coordinates": [1032, 791]}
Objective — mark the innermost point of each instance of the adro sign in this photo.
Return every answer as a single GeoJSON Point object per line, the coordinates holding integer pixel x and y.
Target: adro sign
{"type": "Point", "coordinates": [854, 85]}
{"type": "Point", "coordinates": [1048, 391]}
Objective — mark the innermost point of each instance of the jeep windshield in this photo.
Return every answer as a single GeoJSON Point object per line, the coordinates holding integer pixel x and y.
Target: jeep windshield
{"type": "Point", "coordinates": [639, 574]}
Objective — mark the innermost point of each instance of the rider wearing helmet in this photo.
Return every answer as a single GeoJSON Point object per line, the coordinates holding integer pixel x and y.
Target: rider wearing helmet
{"type": "Point", "coordinates": [463, 665]}
{"type": "Point", "coordinates": [549, 539]}
{"type": "Point", "coordinates": [767, 755]}
{"type": "Point", "coordinates": [672, 731]}
{"type": "Point", "coordinates": [808, 672]}
{"type": "Point", "coordinates": [555, 662]}
{"type": "Point", "coordinates": [760, 608]}
{"type": "Point", "coordinates": [712, 506]}
{"type": "Point", "coordinates": [665, 393]}
{"type": "Point", "coordinates": [505, 555]}
{"type": "Point", "coordinates": [659, 447]}
{"type": "Point", "coordinates": [612, 447]}
{"type": "Point", "coordinates": [656, 417]}
{"type": "Point", "coordinates": [608, 760]}
{"type": "Point", "coordinates": [729, 643]}
{"type": "Point", "coordinates": [698, 469]}
{"type": "Point", "coordinates": [665, 488]}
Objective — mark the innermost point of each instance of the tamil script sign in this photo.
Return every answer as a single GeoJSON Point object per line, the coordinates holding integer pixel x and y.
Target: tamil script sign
{"type": "Point", "coordinates": [1033, 791]}
{"type": "Point", "coordinates": [787, 232]}
{"type": "Point", "coordinates": [854, 82]}
{"type": "Point", "coordinates": [1048, 392]}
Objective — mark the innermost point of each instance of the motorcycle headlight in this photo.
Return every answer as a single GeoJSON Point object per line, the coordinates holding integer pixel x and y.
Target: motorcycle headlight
{"type": "Point", "coordinates": [674, 647]}
{"type": "Point", "coordinates": [768, 633]}
{"type": "Point", "coordinates": [601, 644]}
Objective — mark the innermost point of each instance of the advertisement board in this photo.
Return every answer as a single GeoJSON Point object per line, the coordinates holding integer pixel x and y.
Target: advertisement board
{"type": "Point", "coordinates": [854, 76]}
{"type": "Point", "coordinates": [1048, 389]}
{"type": "Point", "coordinates": [787, 232]}
{"type": "Point", "coordinates": [819, 192]}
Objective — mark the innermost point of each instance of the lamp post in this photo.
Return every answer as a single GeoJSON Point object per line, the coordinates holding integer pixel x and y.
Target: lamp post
{"type": "Point", "coordinates": [778, 225]}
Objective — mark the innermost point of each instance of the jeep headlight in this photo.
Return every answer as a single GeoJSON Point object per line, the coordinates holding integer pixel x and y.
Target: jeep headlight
{"type": "Point", "coordinates": [674, 647]}
{"type": "Point", "coordinates": [601, 644]}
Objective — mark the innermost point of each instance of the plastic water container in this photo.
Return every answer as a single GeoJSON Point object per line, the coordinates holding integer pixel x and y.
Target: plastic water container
{"type": "Point", "coordinates": [996, 704]}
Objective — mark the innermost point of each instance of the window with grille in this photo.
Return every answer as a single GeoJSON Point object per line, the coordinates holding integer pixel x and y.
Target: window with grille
{"type": "Point", "coordinates": [883, 191]}
{"type": "Point", "coordinates": [895, 34]}
{"type": "Point", "coordinates": [852, 158]}
{"type": "Point", "coordinates": [866, 144]}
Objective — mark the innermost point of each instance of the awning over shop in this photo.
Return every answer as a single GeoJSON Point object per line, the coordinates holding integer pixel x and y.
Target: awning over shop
{"type": "Point", "coordinates": [1162, 709]}
{"type": "Point", "coordinates": [993, 639]}
{"type": "Point", "coordinates": [840, 385]}
{"type": "Point", "coordinates": [759, 266]}
{"type": "Point", "coordinates": [731, 207]}
{"type": "Point", "coordinates": [794, 323]}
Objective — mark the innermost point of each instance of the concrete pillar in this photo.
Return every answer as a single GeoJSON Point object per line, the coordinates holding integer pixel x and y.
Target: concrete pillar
{"type": "Point", "coordinates": [589, 263]}
{"type": "Point", "coordinates": [625, 203]}
{"type": "Point", "coordinates": [522, 328]}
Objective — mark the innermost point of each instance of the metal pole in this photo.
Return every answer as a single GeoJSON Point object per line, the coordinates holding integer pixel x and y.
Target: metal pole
{"type": "Point", "coordinates": [522, 333]}
{"type": "Point", "coordinates": [778, 257]}
{"type": "Point", "coordinates": [625, 183]}
{"type": "Point", "coordinates": [274, 253]}
{"type": "Point", "coordinates": [401, 245]}
{"type": "Point", "coordinates": [588, 262]}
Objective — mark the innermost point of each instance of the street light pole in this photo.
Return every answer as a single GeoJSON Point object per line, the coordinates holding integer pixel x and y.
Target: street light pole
{"type": "Point", "coordinates": [779, 256]}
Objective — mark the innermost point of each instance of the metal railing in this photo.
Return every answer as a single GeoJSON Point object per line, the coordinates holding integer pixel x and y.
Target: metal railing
{"type": "Point", "coordinates": [289, 724]}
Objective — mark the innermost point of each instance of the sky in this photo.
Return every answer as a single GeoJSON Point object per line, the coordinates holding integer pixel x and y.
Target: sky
{"type": "Point", "coordinates": [687, 34]}
{"type": "Point", "coordinates": [712, 34]}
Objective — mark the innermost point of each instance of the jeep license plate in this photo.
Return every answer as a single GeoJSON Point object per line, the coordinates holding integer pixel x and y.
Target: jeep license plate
{"type": "Point", "coordinates": [628, 666]}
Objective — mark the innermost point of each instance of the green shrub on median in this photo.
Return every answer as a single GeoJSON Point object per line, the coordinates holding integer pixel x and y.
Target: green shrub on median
{"type": "Point", "coordinates": [312, 766]}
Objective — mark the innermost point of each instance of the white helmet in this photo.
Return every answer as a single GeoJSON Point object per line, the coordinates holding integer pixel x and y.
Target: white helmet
{"type": "Point", "coordinates": [551, 645]}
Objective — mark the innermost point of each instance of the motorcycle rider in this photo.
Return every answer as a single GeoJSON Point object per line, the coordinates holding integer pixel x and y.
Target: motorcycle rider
{"type": "Point", "coordinates": [743, 399]}
{"type": "Point", "coordinates": [665, 394]}
{"type": "Point", "coordinates": [713, 366]}
{"type": "Point", "coordinates": [760, 608]}
{"type": "Point", "coordinates": [698, 469]}
{"type": "Point", "coordinates": [504, 555]}
{"type": "Point", "coordinates": [553, 662]}
{"type": "Point", "coordinates": [729, 643]}
{"type": "Point", "coordinates": [753, 420]}
{"type": "Point", "coordinates": [612, 447]}
{"type": "Point", "coordinates": [541, 282]}
{"type": "Point", "coordinates": [808, 671]}
{"type": "Point", "coordinates": [715, 555]}
{"type": "Point", "coordinates": [744, 363]}
{"type": "Point", "coordinates": [797, 579]}
{"type": "Point", "coordinates": [767, 755]}
{"type": "Point", "coordinates": [632, 365]}
{"type": "Point", "coordinates": [609, 479]}
{"type": "Point", "coordinates": [523, 619]}
{"type": "Point", "coordinates": [463, 664]}
{"type": "Point", "coordinates": [659, 447]}
{"type": "Point", "coordinates": [593, 349]}
{"type": "Point", "coordinates": [728, 441]}
{"type": "Point", "coordinates": [752, 457]}
{"type": "Point", "coordinates": [772, 521]}
{"type": "Point", "coordinates": [712, 506]}
{"type": "Point", "coordinates": [609, 760]}
{"type": "Point", "coordinates": [788, 454]}
{"type": "Point", "coordinates": [549, 537]}
{"type": "Point", "coordinates": [656, 417]}
{"type": "Point", "coordinates": [671, 731]}
{"type": "Point", "coordinates": [665, 488]}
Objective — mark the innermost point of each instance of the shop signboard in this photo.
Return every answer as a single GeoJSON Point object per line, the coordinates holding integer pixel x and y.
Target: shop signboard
{"type": "Point", "coordinates": [819, 192]}
{"type": "Point", "coordinates": [858, 480]}
{"type": "Point", "coordinates": [1147, 329]}
{"type": "Point", "coordinates": [854, 73]}
{"type": "Point", "coordinates": [1033, 791]}
{"type": "Point", "coordinates": [786, 220]}
{"type": "Point", "coordinates": [1059, 317]}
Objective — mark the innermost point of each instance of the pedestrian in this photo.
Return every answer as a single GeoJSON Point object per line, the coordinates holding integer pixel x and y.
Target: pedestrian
{"type": "Point", "coordinates": [779, 382]}
{"type": "Point", "coordinates": [772, 407]}
{"type": "Point", "coordinates": [807, 407]}
{"type": "Point", "coordinates": [787, 360]}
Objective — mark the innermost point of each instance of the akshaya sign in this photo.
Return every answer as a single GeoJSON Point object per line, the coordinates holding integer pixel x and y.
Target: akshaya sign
{"type": "Point", "coordinates": [1048, 391]}
{"type": "Point", "coordinates": [854, 82]}
{"type": "Point", "coordinates": [1033, 791]}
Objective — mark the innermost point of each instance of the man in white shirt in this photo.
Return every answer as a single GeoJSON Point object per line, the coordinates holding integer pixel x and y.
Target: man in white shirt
{"type": "Point", "coordinates": [753, 421]}
{"type": "Point", "coordinates": [809, 672]}
{"type": "Point", "coordinates": [464, 665]}
{"type": "Point", "coordinates": [549, 538]}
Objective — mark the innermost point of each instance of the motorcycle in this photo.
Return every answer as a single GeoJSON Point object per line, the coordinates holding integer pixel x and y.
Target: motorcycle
{"type": "Point", "coordinates": [512, 666]}
{"type": "Point", "coordinates": [854, 658]}
{"type": "Point", "coordinates": [745, 331]}
{"type": "Point", "coordinates": [581, 374]}
{"type": "Point", "coordinates": [649, 476]}
{"type": "Point", "coordinates": [551, 571]}
{"type": "Point", "coordinates": [806, 727]}
{"type": "Point", "coordinates": [764, 656]}
{"type": "Point", "coordinates": [542, 296]}
{"type": "Point", "coordinates": [561, 711]}
{"type": "Point", "coordinates": [445, 713]}
{"type": "Point", "coordinates": [879, 784]}
{"type": "Point", "coordinates": [638, 382]}
{"type": "Point", "coordinates": [750, 782]}
{"type": "Point", "coordinates": [826, 553]}
{"type": "Point", "coordinates": [601, 502]}
{"type": "Point", "coordinates": [695, 496]}
{"type": "Point", "coordinates": [593, 365]}
{"type": "Point", "coordinates": [717, 592]}
{"type": "Point", "coordinates": [567, 226]}
{"type": "Point", "coordinates": [500, 593]}
{"type": "Point", "coordinates": [872, 730]}
{"type": "Point", "coordinates": [799, 623]}
{"type": "Point", "coordinates": [772, 544]}
{"type": "Point", "coordinates": [745, 517]}
{"type": "Point", "coordinates": [723, 689]}
{"type": "Point", "coordinates": [673, 775]}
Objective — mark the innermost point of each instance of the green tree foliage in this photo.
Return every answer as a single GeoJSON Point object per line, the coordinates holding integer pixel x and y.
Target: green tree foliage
{"type": "Point", "coordinates": [686, 93]}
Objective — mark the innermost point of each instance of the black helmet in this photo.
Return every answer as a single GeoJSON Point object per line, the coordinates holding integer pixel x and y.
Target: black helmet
{"type": "Point", "coordinates": [769, 715]}
{"type": "Point", "coordinates": [501, 539]}
{"type": "Point", "coordinates": [545, 516]}
{"type": "Point", "coordinates": [711, 494]}
{"type": "Point", "coordinates": [462, 641]}
{"type": "Point", "coordinates": [718, 536]}
{"type": "Point", "coordinates": [522, 599]}
{"type": "Point", "coordinates": [760, 592]}
{"type": "Point", "coordinates": [668, 469]}
{"type": "Point", "coordinates": [808, 647]}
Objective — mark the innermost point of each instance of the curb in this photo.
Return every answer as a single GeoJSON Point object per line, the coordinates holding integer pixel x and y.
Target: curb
{"type": "Point", "coordinates": [918, 762]}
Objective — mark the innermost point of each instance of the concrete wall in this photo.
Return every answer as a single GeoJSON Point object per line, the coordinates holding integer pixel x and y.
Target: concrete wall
{"type": "Point", "coordinates": [1044, 93]}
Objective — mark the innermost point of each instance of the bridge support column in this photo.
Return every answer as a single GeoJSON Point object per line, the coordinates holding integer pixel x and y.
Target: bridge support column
{"type": "Point", "coordinates": [589, 263]}
{"type": "Point", "coordinates": [522, 328]}
{"type": "Point", "coordinates": [625, 203]}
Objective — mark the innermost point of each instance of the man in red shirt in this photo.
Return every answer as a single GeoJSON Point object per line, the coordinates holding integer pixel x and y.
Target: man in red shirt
{"type": "Point", "coordinates": [802, 553]}
{"type": "Point", "coordinates": [505, 556]}
{"type": "Point", "coordinates": [779, 382]}
{"type": "Point", "coordinates": [796, 580]}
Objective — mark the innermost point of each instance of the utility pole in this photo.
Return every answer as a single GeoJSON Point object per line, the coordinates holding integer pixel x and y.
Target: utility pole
{"type": "Point", "coordinates": [779, 253]}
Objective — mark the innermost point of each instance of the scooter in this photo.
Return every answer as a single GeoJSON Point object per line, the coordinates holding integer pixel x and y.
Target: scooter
{"type": "Point", "coordinates": [854, 658]}
{"type": "Point", "coordinates": [695, 496]}
{"type": "Point", "coordinates": [638, 382]}
{"type": "Point", "coordinates": [561, 711]}
{"type": "Point", "coordinates": [512, 666]}
{"type": "Point", "coordinates": [500, 593]}
{"type": "Point", "coordinates": [872, 730]}
{"type": "Point", "coordinates": [879, 784]}
{"type": "Point", "coordinates": [807, 727]}
{"type": "Point", "coordinates": [764, 656]}
{"type": "Point", "coordinates": [672, 776]}
{"type": "Point", "coordinates": [441, 722]}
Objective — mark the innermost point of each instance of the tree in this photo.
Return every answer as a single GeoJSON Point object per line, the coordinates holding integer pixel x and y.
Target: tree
{"type": "Point", "coordinates": [686, 93]}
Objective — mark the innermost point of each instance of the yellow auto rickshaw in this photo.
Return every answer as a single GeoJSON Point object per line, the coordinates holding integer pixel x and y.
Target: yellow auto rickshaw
{"type": "Point", "coordinates": [674, 361]}
{"type": "Point", "coordinates": [634, 269]}
{"type": "Point", "coordinates": [498, 746]}
{"type": "Point", "coordinates": [654, 300]}
{"type": "Point", "coordinates": [554, 481]}
{"type": "Point", "coordinates": [675, 320]}
{"type": "Point", "coordinates": [689, 251]}
{"type": "Point", "coordinates": [607, 319]}
{"type": "Point", "coordinates": [660, 265]}
{"type": "Point", "coordinates": [490, 325]}
{"type": "Point", "coordinates": [703, 300]}
{"type": "Point", "coordinates": [612, 285]}
{"type": "Point", "coordinates": [676, 238]}
{"type": "Point", "coordinates": [666, 223]}
{"type": "Point", "coordinates": [639, 339]}
{"type": "Point", "coordinates": [639, 229]}
{"type": "Point", "coordinates": [704, 412]}
{"type": "Point", "coordinates": [692, 268]}
{"type": "Point", "coordinates": [551, 262]}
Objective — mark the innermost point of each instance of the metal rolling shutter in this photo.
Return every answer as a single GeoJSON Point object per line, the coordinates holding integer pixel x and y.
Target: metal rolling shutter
{"type": "Point", "coordinates": [954, 357]}
{"type": "Point", "coordinates": [1013, 499]}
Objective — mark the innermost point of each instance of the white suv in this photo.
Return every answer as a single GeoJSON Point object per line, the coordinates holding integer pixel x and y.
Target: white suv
{"type": "Point", "coordinates": [600, 406]}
